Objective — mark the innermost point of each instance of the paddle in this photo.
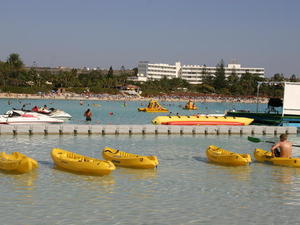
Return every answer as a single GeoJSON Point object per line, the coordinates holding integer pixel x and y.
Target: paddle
{"type": "Point", "coordinates": [256, 140]}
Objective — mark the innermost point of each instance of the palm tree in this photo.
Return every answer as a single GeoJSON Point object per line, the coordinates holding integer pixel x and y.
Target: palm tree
{"type": "Point", "coordinates": [15, 61]}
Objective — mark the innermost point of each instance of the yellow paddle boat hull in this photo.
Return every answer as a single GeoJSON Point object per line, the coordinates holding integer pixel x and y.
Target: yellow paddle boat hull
{"type": "Point", "coordinates": [129, 160]}
{"type": "Point", "coordinates": [82, 164]}
{"type": "Point", "coordinates": [225, 157]}
{"type": "Point", "coordinates": [17, 162]}
{"type": "Point", "coordinates": [265, 156]}
{"type": "Point", "coordinates": [190, 108]}
{"type": "Point", "coordinates": [153, 110]}
{"type": "Point", "coordinates": [153, 106]}
{"type": "Point", "coordinates": [202, 120]}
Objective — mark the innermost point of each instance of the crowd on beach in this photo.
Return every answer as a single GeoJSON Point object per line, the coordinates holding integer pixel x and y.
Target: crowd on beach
{"type": "Point", "coordinates": [120, 97]}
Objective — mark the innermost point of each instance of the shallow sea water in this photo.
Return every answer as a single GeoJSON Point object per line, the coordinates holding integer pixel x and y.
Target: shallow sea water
{"type": "Point", "coordinates": [184, 189]}
{"type": "Point", "coordinates": [121, 114]}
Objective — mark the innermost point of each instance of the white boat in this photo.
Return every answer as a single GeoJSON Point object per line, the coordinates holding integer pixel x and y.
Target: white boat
{"type": "Point", "coordinates": [59, 114]}
{"type": "Point", "coordinates": [21, 117]}
{"type": "Point", "coordinates": [52, 112]}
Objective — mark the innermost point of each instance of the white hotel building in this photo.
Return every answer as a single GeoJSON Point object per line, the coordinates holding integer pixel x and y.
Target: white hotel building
{"type": "Point", "coordinates": [192, 73]}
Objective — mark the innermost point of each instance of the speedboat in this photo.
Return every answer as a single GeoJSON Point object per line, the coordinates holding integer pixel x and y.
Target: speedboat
{"type": "Point", "coordinates": [21, 117]}
{"type": "Point", "coordinates": [52, 112]}
{"type": "Point", "coordinates": [59, 114]}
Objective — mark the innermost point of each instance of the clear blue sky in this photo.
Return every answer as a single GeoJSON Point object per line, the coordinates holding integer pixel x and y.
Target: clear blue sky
{"type": "Point", "coordinates": [77, 33]}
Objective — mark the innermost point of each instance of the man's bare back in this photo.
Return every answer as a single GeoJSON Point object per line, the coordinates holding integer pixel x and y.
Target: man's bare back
{"type": "Point", "coordinates": [285, 147]}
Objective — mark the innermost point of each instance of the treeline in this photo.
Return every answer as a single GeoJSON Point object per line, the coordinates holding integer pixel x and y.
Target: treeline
{"type": "Point", "coordinates": [14, 77]}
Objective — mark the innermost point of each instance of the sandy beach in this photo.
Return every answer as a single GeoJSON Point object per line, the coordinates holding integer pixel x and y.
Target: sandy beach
{"type": "Point", "coordinates": [107, 97]}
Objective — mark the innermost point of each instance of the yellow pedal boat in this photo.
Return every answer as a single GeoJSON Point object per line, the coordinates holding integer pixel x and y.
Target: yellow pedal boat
{"type": "Point", "coordinates": [17, 162]}
{"type": "Point", "coordinates": [125, 159]}
{"type": "Point", "coordinates": [79, 163]}
{"type": "Point", "coordinates": [190, 106]}
{"type": "Point", "coordinates": [265, 156]}
{"type": "Point", "coordinates": [225, 157]}
{"type": "Point", "coordinates": [161, 109]}
{"type": "Point", "coordinates": [153, 106]}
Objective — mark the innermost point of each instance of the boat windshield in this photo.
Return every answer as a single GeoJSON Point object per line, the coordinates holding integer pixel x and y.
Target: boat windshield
{"type": "Point", "coordinates": [12, 113]}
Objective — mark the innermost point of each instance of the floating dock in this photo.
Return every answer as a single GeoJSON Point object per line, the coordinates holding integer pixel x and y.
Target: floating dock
{"type": "Point", "coordinates": [85, 129]}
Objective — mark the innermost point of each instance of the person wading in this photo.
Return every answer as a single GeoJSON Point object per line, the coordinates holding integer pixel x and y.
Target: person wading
{"type": "Point", "coordinates": [88, 115]}
{"type": "Point", "coordinates": [284, 146]}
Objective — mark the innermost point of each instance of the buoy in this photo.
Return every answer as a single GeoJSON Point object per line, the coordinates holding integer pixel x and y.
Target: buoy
{"type": "Point", "coordinates": [111, 113]}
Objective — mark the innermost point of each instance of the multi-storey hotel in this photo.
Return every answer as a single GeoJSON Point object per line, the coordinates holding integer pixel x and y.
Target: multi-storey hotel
{"type": "Point", "coordinates": [192, 73]}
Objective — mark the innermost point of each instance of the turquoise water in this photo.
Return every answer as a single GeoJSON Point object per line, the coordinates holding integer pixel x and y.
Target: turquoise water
{"type": "Point", "coordinates": [184, 189]}
{"type": "Point", "coordinates": [122, 114]}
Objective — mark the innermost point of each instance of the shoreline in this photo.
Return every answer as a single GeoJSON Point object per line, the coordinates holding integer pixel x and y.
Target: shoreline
{"type": "Point", "coordinates": [106, 97]}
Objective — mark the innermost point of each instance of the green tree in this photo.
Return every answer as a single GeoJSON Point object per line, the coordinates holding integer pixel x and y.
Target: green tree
{"type": "Point", "coordinates": [122, 70]}
{"type": "Point", "coordinates": [135, 71]}
{"type": "Point", "coordinates": [233, 83]}
{"type": "Point", "coordinates": [205, 88]}
{"type": "Point", "coordinates": [15, 61]}
{"type": "Point", "coordinates": [4, 73]}
{"type": "Point", "coordinates": [206, 78]}
{"type": "Point", "coordinates": [293, 78]}
{"type": "Point", "coordinates": [248, 83]}
{"type": "Point", "coordinates": [219, 80]}
{"type": "Point", "coordinates": [277, 77]}
{"type": "Point", "coordinates": [110, 73]}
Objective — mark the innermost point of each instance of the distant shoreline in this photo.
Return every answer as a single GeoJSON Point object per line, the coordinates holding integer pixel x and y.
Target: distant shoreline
{"type": "Point", "coordinates": [106, 97]}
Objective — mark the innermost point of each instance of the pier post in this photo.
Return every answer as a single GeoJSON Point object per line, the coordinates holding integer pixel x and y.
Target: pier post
{"type": "Point", "coordinates": [30, 130]}
{"type": "Point", "coordinates": [15, 130]}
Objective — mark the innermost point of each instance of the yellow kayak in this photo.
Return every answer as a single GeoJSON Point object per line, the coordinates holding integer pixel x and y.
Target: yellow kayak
{"type": "Point", "coordinates": [79, 163]}
{"type": "Point", "coordinates": [265, 156]}
{"type": "Point", "coordinates": [225, 157]}
{"type": "Point", "coordinates": [202, 120]}
{"type": "Point", "coordinates": [125, 159]}
{"type": "Point", "coordinates": [17, 162]}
